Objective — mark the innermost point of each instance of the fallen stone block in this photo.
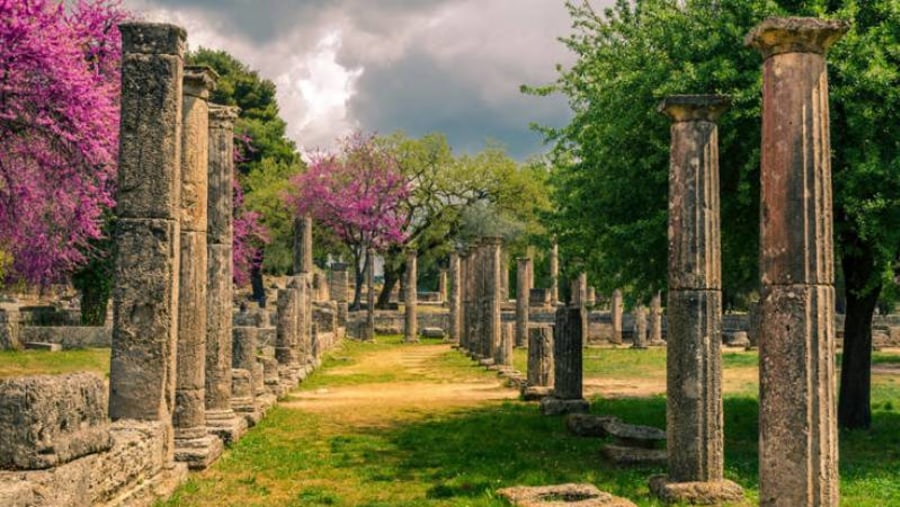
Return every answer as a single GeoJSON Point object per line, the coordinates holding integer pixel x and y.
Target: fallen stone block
{"type": "Point", "coordinates": [588, 425]}
{"type": "Point", "coordinates": [48, 420]}
{"type": "Point", "coordinates": [552, 405]}
{"type": "Point", "coordinates": [633, 435]}
{"type": "Point", "coordinates": [50, 347]}
{"type": "Point", "coordinates": [432, 332]}
{"type": "Point", "coordinates": [624, 455]}
{"type": "Point", "coordinates": [562, 495]}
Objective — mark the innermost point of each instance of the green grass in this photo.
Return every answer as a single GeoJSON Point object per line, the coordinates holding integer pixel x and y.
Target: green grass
{"type": "Point", "coordinates": [40, 362]}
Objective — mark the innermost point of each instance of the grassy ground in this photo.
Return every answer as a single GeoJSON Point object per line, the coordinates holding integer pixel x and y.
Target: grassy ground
{"type": "Point", "coordinates": [33, 362]}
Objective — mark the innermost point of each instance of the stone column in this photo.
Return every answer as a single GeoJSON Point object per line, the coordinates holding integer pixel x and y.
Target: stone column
{"type": "Point", "coordinates": [220, 288]}
{"type": "Point", "coordinates": [567, 368]}
{"type": "Point", "coordinates": [145, 296]}
{"type": "Point", "coordinates": [192, 443]}
{"type": "Point", "coordinates": [454, 299]}
{"type": "Point", "coordinates": [504, 277]}
{"type": "Point", "coordinates": [286, 329]}
{"type": "Point", "coordinates": [798, 441]}
{"type": "Point", "coordinates": [244, 344]}
{"type": "Point", "coordinates": [694, 366]}
{"type": "Point", "coordinates": [307, 360]}
{"type": "Point", "coordinates": [442, 285]}
{"type": "Point", "coordinates": [656, 320]}
{"type": "Point", "coordinates": [540, 362]}
{"type": "Point", "coordinates": [591, 296]}
{"type": "Point", "coordinates": [302, 245]}
{"type": "Point", "coordinates": [640, 328]}
{"type": "Point", "coordinates": [615, 313]}
{"type": "Point", "coordinates": [410, 300]}
{"type": "Point", "coordinates": [340, 291]}
{"type": "Point", "coordinates": [582, 303]}
{"type": "Point", "coordinates": [523, 289]}
{"type": "Point", "coordinates": [554, 274]}
{"type": "Point", "coordinates": [370, 295]}
{"type": "Point", "coordinates": [494, 297]}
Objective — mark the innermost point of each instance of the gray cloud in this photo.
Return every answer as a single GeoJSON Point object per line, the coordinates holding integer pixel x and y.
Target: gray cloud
{"type": "Point", "coordinates": [420, 66]}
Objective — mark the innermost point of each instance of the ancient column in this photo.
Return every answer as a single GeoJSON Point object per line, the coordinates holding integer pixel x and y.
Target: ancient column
{"type": "Point", "coordinates": [442, 284]}
{"type": "Point", "coordinates": [244, 344]}
{"type": "Point", "coordinates": [656, 320]}
{"type": "Point", "coordinates": [454, 298]}
{"type": "Point", "coordinates": [640, 328]}
{"type": "Point", "coordinates": [540, 362]}
{"type": "Point", "coordinates": [567, 368]}
{"type": "Point", "coordinates": [302, 245]}
{"type": "Point", "coordinates": [591, 296]}
{"type": "Point", "coordinates": [504, 277]}
{"type": "Point", "coordinates": [523, 289]}
{"type": "Point", "coordinates": [694, 367]}
{"type": "Point", "coordinates": [494, 297]}
{"type": "Point", "coordinates": [410, 300]}
{"type": "Point", "coordinates": [220, 288]}
{"type": "Point", "coordinates": [287, 329]}
{"type": "Point", "coordinates": [192, 443]}
{"type": "Point", "coordinates": [340, 291]}
{"type": "Point", "coordinates": [615, 313]}
{"type": "Point", "coordinates": [582, 303]}
{"type": "Point", "coordinates": [370, 295]}
{"type": "Point", "coordinates": [554, 274]}
{"type": "Point", "coordinates": [798, 440]}
{"type": "Point", "coordinates": [145, 296]}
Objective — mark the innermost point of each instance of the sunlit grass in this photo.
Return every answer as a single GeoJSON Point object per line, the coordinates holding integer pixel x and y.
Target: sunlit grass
{"type": "Point", "coordinates": [40, 362]}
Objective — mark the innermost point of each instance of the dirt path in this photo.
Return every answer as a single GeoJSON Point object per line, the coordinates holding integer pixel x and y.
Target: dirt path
{"type": "Point", "coordinates": [424, 387]}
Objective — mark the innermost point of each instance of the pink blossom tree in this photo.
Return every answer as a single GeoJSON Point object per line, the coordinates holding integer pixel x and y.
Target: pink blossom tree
{"type": "Point", "coordinates": [59, 117]}
{"type": "Point", "coordinates": [358, 194]}
{"type": "Point", "coordinates": [249, 237]}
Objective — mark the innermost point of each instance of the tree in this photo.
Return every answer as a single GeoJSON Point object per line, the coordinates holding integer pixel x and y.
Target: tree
{"type": "Point", "coordinates": [357, 193]}
{"type": "Point", "coordinates": [611, 161]}
{"type": "Point", "coordinates": [249, 238]}
{"type": "Point", "coordinates": [59, 88]}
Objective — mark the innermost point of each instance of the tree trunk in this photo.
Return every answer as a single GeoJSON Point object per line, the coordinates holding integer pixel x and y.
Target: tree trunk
{"type": "Point", "coordinates": [854, 402]}
{"type": "Point", "coordinates": [94, 300]}
{"type": "Point", "coordinates": [393, 267]}
{"type": "Point", "coordinates": [256, 280]}
{"type": "Point", "coordinates": [359, 277]}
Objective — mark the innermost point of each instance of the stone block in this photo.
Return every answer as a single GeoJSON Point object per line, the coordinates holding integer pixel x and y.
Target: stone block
{"type": "Point", "coordinates": [46, 420]}
{"type": "Point", "coordinates": [552, 405]}
{"type": "Point", "coordinates": [634, 435]}
{"type": "Point", "coordinates": [562, 495]}
{"type": "Point", "coordinates": [432, 332]}
{"type": "Point", "coordinates": [47, 346]}
{"type": "Point", "coordinates": [697, 493]}
{"type": "Point", "coordinates": [536, 393]}
{"type": "Point", "coordinates": [624, 455]}
{"type": "Point", "coordinates": [152, 38]}
{"type": "Point", "coordinates": [142, 368]}
{"type": "Point", "coordinates": [588, 425]}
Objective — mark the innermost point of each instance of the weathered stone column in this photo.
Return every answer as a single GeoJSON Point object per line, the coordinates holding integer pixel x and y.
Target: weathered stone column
{"type": "Point", "coordinates": [220, 417]}
{"type": "Point", "coordinates": [370, 295]}
{"type": "Point", "coordinates": [554, 273]}
{"type": "Point", "coordinates": [410, 299]}
{"type": "Point", "coordinates": [582, 289]}
{"type": "Point", "coordinates": [504, 276]}
{"type": "Point", "coordinates": [798, 440]}
{"type": "Point", "coordinates": [442, 284]}
{"type": "Point", "coordinates": [192, 443]}
{"type": "Point", "coordinates": [286, 328]}
{"type": "Point", "coordinates": [142, 374]}
{"type": "Point", "coordinates": [523, 289]}
{"type": "Point", "coordinates": [454, 298]}
{"type": "Point", "coordinates": [694, 365]}
{"type": "Point", "coordinates": [591, 296]}
{"type": "Point", "coordinates": [656, 320]}
{"type": "Point", "coordinates": [640, 327]}
{"type": "Point", "coordinates": [567, 368]}
{"type": "Point", "coordinates": [302, 245]}
{"type": "Point", "coordinates": [494, 297]}
{"type": "Point", "coordinates": [244, 344]}
{"type": "Point", "coordinates": [615, 313]}
{"type": "Point", "coordinates": [340, 291]}
{"type": "Point", "coordinates": [540, 362]}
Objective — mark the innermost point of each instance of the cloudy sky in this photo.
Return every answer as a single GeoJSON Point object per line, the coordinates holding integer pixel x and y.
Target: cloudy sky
{"type": "Point", "coordinates": [420, 66]}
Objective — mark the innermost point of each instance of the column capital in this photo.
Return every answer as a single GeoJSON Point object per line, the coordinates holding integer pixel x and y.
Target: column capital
{"type": "Point", "coordinates": [199, 80]}
{"type": "Point", "coordinates": [152, 38]}
{"type": "Point", "coordinates": [694, 107]}
{"type": "Point", "coordinates": [776, 35]}
{"type": "Point", "coordinates": [222, 116]}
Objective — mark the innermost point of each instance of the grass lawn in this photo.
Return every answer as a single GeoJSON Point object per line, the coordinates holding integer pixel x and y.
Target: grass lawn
{"type": "Point", "coordinates": [34, 362]}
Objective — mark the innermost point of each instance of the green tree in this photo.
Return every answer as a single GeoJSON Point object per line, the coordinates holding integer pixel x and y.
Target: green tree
{"type": "Point", "coordinates": [611, 161]}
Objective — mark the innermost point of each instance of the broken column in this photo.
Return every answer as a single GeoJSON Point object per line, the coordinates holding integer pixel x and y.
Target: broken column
{"type": "Point", "coordinates": [798, 440]}
{"type": "Point", "coordinates": [615, 313]}
{"type": "Point", "coordinates": [244, 345]}
{"type": "Point", "coordinates": [454, 298]}
{"type": "Point", "coordinates": [369, 334]}
{"type": "Point", "coordinates": [303, 245]}
{"type": "Point", "coordinates": [694, 364]}
{"type": "Point", "coordinates": [493, 298]}
{"type": "Point", "coordinates": [567, 395]}
{"type": "Point", "coordinates": [145, 295]}
{"type": "Point", "coordinates": [192, 443]}
{"type": "Point", "coordinates": [410, 298]}
{"type": "Point", "coordinates": [442, 285]}
{"type": "Point", "coordinates": [340, 292]}
{"type": "Point", "coordinates": [286, 331]}
{"type": "Point", "coordinates": [554, 274]}
{"type": "Point", "coordinates": [523, 290]}
{"type": "Point", "coordinates": [640, 328]}
{"type": "Point", "coordinates": [220, 417]}
{"type": "Point", "coordinates": [540, 362]}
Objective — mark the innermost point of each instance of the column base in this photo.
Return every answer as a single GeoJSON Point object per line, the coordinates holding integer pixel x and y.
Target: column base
{"type": "Point", "coordinates": [245, 408]}
{"type": "Point", "coordinates": [723, 492]}
{"type": "Point", "coordinates": [198, 452]}
{"type": "Point", "coordinates": [487, 363]}
{"type": "Point", "coordinates": [536, 393]}
{"type": "Point", "coordinates": [226, 424]}
{"type": "Point", "coordinates": [556, 406]}
{"type": "Point", "coordinates": [265, 401]}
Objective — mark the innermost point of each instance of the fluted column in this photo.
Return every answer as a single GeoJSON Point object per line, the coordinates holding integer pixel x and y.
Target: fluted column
{"type": "Point", "coordinates": [410, 328]}
{"type": "Point", "coordinates": [554, 274]}
{"type": "Point", "coordinates": [370, 295]}
{"type": "Point", "coordinates": [523, 289]}
{"type": "Point", "coordinates": [615, 313]}
{"type": "Point", "coordinates": [798, 441]}
{"type": "Point", "coordinates": [494, 296]}
{"type": "Point", "coordinates": [454, 297]}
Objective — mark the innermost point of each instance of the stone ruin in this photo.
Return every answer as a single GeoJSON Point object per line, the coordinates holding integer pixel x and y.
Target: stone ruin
{"type": "Point", "coordinates": [188, 373]}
